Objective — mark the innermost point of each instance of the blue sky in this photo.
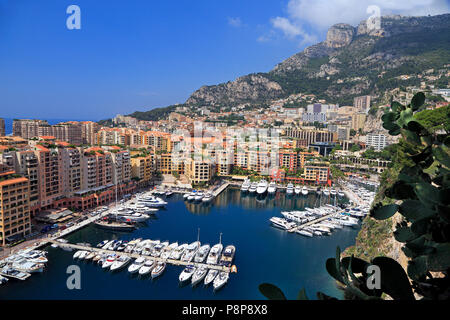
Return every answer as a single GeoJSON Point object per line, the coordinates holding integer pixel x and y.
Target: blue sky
{"type": "Point", "coordinates": [136, 55]}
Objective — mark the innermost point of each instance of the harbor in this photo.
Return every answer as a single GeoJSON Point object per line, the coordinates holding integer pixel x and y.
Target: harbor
{"type": "Point", "coordinates": [233, 213]}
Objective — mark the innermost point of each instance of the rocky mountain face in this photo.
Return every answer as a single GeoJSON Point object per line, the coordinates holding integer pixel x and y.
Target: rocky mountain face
{"type": "Point", "coordinates": [351, 61]}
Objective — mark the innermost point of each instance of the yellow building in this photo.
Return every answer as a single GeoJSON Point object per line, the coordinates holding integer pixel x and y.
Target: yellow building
{"type": "Point", "coordinates": [317, 173]}
{"type": "Point", "coordinates": [143, 168]}
{"type": "Point", "coordinates": [358, 120]}
{"type": "Point", "coordinates": [198, 171]}
{"type": "Point", "coordinates": [15, 220]}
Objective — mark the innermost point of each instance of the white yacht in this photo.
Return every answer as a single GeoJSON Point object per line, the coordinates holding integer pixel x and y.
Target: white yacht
{"type": "Point", "coordinates": [91, 255]}
{"type": "Point", "coordinates": [245, 185]}
{"type": "Point", "coordinates": [158, 270]}
{"type": "Point", "coordinates": [36, 256]}
{"type": "Point", "coordinates": [297, 189]}
{"type": "Point", "coordinates": [220, 280]}
{"type": "Point", "coordinates": [214, 254]}
{"type": "Point", "coordinates": [212, 274]}
{"type": "Point", "coordinates": [272, 188]}
{"type": "Point", "coordinates": [208, 197]}
{"type": "Point", "coordinates": [130, 215]}
{"type": "Point", "coordinates": [190, 251]}
{"type": "Point", "coordinates": [186, 195]}
{"type": "Point", "coordinates": [253, 187]}
{"type": "Point", "coordinates": [282, 223]}
{"type": "Point", "coordinates": [290, 189]}
{"type": "Point", "coordinates": [120, 262]}
{"type": "Point", "coordinates": [83, 255]}
{"type": "Point", "coordinates": [109, 261]}
{"type": "Point", "coordinates": [262, 186]}
{"type": "Point", "coordinates": [304, 232]}
{"type": "Point", "coordinates": [202, 253]}
{"type": "Point", "coordinates": [152, 202]}
{"type": "Point", "coordinates": [333, 192]}
{"type": "Point", "coordinates": [147, 267]}
{"type": "Point", "coordinates": [191, 196]}
{"type": "Point", "coordinates": [187, 273]}
{"type": "Point", "coordinates": [177, 253]}
{"type": "Point", "coordinates": [199, 196]}
{"type": "Point", "coordinates": [341, 194]}
{"type": "Point", "coordinates": [326, 192]}
{"type": "Point", "coordinates": [157, 249]}
{"type": "Point", "coordinates": [136, 265]}
{"type": "Point", "coordinates": [77, 254]}
{"type": "Point", "coordinates": [304, 191]}
{"type": "Point", "coordinates": [199, 275]}
{"type": "Point", "coordinates": [166, 251]}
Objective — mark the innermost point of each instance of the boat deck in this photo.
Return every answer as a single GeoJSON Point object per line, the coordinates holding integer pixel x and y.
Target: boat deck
{"type": "Point", "coordinates": [135, 255]}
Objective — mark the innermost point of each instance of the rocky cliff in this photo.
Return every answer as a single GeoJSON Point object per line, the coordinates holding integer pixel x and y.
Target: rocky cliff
{"type": "Point", "coordinates": [348, 63]}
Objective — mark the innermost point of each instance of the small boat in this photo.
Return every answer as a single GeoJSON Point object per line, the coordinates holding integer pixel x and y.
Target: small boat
{"type": "Point", "coordinates": [290, 189]}
{"type": "Point", "coordinates": [158, 270]}
{"type": "Point", "coordinates": [102, 244]}
{"type": "Point", "coordinates": [187, 273]}
{"type": "Point", "coordinates": [208, 197]}
{"type": "Point", "coordinates": [156, 252]}
{"type": "Point", "coordinates": [272, 188]}
{"type": "Point", "coordinates": [214, 254]}
{"type": "Point", "coordinates": [178, 252]}
{"type": "Point", "coordinates": [168, 193]}
{"type": "Point", "coordinates": [83, 255]}
{"type": "Point", "coordinates": [245, 185]}
{"type": "Point", "coordinates": [341, 194]}
{"type": "Point", "coordinates": [109, 261]}
{"type": "Point", "coordinates": [199, 196]}
{"type": "Point", "coordinates": [202, 253]}
{"type": "Point", "coordinates": [3, 280]}
{"type": "Point", "coordinates": [147, 267]}
{"type": "Point", "coordinates": [220, 280]}
{"type": "Point", "coordinates": [211, 276]}
{"type": "Point", "coordinates": [91, 255]}
{"type": "Point", "coordinates": [326, 192]}
{"type": "Point", "coordinates": [199, 275]}
{"type": "Point", "coordinates": [136, 265]}
{"type": "Point", "coordinates": [191, 196]}
{"type": "Point", "coordinates": [190, 251]}
{"type": "Point", "coordinates": [304, 233]}
{"type": "Point", "coordinates": [185, 196]}
{"type": "Point", "coordinates": [304, 191]}
{"type": "Point", "coordinates": [297, 189]}
{"type": "Point", "coordinates": [120, 262]}
{"type": "Point", "coordinates": [166, 251]}
{"type": "Point", "coordinates": [228, 256]}
{"type": "Point", "coordinates": [333, 192]}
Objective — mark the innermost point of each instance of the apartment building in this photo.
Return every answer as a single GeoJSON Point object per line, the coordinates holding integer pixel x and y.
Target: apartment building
{"type": "Point", "coordinates": [199, 171]}
{"type": "Point", "coordinates": [317, 173]}
{"type": "Point", "coordinates": [310, 135]}
{"type": "Point", "coordinates": [377, 141]}
{"type": "Point", "coordinates": [358, 121]}
{"type": "Point", "coordinates": [143, 167]}
{"type": "Point", "coordinates": [97, 168]}
{"type": "Point", "coordinates": [26, 163]}
{"type": "Point", "coordinates": [15, 220]}
{"type": "Point", "coordinates": [121, 167]}
{"type": "Point", "coordinates": [362, 103]}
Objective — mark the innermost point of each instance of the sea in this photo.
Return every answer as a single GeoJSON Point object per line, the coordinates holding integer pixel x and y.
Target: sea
{"type": "Point", "coordinates": [263, 253]}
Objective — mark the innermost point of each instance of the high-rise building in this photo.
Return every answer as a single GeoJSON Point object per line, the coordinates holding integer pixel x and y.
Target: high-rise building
{"type": "Point", "coordinates": [358, 120]}
{"type": "Point", "coordinates": [376, 141]}
{"type": "Point", "coordinates": [15, 220]}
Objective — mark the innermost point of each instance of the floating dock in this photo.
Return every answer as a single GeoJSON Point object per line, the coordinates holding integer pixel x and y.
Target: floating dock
{"type": "Point", "coordinates": [301, 226]}
{"type": "Point", "coordinates": [135, 255]}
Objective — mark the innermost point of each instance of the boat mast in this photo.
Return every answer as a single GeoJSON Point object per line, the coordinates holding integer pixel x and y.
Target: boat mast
{"type": "Point", "coordinates": [220, 238]}
{"type": "Point", "coordinates": [198, 235]}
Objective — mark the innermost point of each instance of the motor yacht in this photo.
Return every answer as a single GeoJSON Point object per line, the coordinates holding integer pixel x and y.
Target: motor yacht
{"type": "Point", "coordinates": [290, 189]}
{"type": "Point", "coordinates": [91, 255]}
{"type": "Point", "coordinates": [157, 249]}
{"type": "Point", "coordinates": [272, 188]}
{"type": "Point", "coordinates": [297, 190]}
{"type": "Point", "coordinates": [147, 267]}
{"type": "Point", "coordinates": [304, 233]}
{"type": "Point", "coordinates": [212, 274]}
{"type": "Point", "coordinates": [27, 266]}
{"type": "Point", "coordinates": [152, 202]}
{"type": "Point", "coordinates": [333, 192]}
{"type": "Point", "coordinates": [227, 256]}
{"type": "Point", "coordinates": [245, 185]}
{"type": "Point", "coordinates": [166, 251]}
{"type": "Point", "coordinates": [202, 253]}
{"type": "Point", "coordinates": [177, 253]}
{"type": "Point", "coordinates": [187, 273]}
{"type": "Point", "coordinates": [190, 251]}
{"type": "Point", "coordinates": [262, 186]}
{"type": "Point", "coordinates": [109, 261]}
{"type": "Point", "coordinates": [120, 262]}
{"type": "Point", "coordinates": [83, 255]}
{"type": "Point", "coordinates": [191, 196]}
{"type": "Point", "coordinates": [221, 280]}
{"type": "Point", "coordinates": [326, 192]}
{"type": "Point", "coordinates": [208, 197]}
{"type": "Point", "coordinates": [304, 191]}
{"type": "Point", "coordinates": [199, 196]}
{"type": "Point", "coordinates": [136, 265]}
{"type": "Point", "coordinates": [253, 187]}
{"type": "Point", "coordinates": [214, 254]}
{"type": "Point", "coordinates": [158, 270]}
{"type": "Point", "coordinates": [101, 244]}
{"type": "Point", "coordinates": [341, 194]}
{"type": "Point", "coordinates": [199, 275]}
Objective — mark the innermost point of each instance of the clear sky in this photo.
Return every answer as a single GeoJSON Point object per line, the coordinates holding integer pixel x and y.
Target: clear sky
{"type": "Point", "coordinates": [135, 55]}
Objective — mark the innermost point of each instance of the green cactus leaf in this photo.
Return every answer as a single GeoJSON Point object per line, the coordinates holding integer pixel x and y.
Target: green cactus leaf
{"type": "Point", "coordinates": [271, 292]}
{"type": "Point", "coordinates": [394, 280]}
{"type": "Point", "coordinates": [380, 212]}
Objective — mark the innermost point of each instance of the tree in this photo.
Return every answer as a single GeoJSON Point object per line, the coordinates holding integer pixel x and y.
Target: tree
{"type": "Point", "coordinates": [355, 148]}
{"type": "Point", "coordinates": [418, 189]}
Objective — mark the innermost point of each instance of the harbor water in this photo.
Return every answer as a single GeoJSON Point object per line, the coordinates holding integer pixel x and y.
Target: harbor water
{"type": "Point", "coordinates": [263, 253]}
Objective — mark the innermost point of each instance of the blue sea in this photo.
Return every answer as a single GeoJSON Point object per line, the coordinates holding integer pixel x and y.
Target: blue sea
{"type": "Point", "coordinates": [264, 254]}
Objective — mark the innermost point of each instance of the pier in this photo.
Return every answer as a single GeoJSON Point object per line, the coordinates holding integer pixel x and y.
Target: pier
{"type": "Point", "coordinates": [135, 256]}
{"type": "Point", "coordinates": [220, 189]}
{"type": "Point", "coordinates": [301, 226]}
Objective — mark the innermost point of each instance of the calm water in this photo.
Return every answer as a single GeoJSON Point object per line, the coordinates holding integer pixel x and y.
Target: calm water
{"type": "Point", "coordinates": [264, 254]}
